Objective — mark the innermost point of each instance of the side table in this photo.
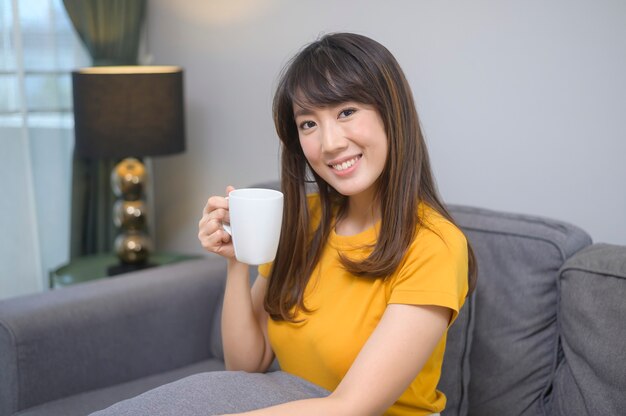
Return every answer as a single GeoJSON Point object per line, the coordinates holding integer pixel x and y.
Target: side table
{"type": "Point", "coordinates": [86, 268]}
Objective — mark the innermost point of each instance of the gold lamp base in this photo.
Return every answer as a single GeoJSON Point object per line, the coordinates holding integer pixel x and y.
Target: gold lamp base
{"type": "Point", "coordinates": [132, 244]}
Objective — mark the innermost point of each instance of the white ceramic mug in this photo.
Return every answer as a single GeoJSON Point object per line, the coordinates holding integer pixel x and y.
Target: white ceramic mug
{"type": "Point", "coordinates": [255, 219]}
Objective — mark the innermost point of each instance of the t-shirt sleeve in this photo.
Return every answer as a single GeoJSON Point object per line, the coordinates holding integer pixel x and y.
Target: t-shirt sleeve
{"type": "Point", "coordinates": [265, 269]}
{"type": "Point", "coordinates": [434, 271]}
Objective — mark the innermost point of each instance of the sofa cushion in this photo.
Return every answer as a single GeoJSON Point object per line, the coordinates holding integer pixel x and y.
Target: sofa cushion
{"type": "Point", "coordinates": [515, 339]}
{"type": "Point", "coordinates": [455, 373]}
{"type": "Point", "coordinates": [91, 401]}
{"type": "Point", "coordinates": [217, 393]}
{"type": "Point", "coordinates": [592, 311]}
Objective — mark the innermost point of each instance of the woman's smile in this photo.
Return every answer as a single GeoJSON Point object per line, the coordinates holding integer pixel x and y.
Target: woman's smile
{"type": "Point", "coordinates": [346, 166]}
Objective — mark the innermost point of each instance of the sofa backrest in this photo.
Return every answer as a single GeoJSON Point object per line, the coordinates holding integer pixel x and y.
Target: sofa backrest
{"type": "Point", "coordinates": [514, 350]}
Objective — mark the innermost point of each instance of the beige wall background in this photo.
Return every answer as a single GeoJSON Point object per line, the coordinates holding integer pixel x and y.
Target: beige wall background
{"type": "Point", "coordinates": [522, 103]}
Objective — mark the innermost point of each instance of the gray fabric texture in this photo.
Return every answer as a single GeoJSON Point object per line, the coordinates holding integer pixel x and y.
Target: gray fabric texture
{"type": "Point", "coordinates": [84, 403]}
{"type": "Point", "coordinates": [8, 368]}
{"type": "Point", "coordinates": [592, 317]}
{"type": "Point", "coordinates": [215, 340]}
{"type": "Point", "coordinates": [216, 393]}
{"type": "Point", "coordinates": [515, 340]}
{"type": "Point", "coordinates": [98, 334]}
{"type": "Point", "coordinates": [455, 373]}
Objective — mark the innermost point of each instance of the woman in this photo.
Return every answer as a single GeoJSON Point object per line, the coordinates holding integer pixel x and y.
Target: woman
{"type": "Point", "coordinates": [372, 270]}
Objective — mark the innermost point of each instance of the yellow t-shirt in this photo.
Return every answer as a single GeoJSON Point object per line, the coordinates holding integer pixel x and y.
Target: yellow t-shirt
{"type": "Point", "coordinates": [345, 309]}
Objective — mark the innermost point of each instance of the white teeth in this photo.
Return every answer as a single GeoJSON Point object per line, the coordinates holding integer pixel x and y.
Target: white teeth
{"type": "Point", "coordinates": [346, 164]}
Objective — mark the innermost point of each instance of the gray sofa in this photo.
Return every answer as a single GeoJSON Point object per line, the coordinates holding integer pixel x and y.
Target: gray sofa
{"type": "Point", "coordinates": [544, 333]}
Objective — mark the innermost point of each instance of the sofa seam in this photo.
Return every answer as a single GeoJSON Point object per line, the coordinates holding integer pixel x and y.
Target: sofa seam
{"type": "Point", "coordinates": [512, 216]}
{"type": "Point", "coordinates": [559, 322]}
{"type": "Point", "coordinates": [602, 271]}
{"type": "Point", "coordinates": [555, 353]}
{"type": "Point", "coordinates": [559, 276]}
{"type": "Point", "coordinates": [545, 240]}
{"type": "Point", "coordinates": [13, 337]}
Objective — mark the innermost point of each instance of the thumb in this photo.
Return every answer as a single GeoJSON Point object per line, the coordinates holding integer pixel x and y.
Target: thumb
{"type": "Point", "coordinates": [229, 189]}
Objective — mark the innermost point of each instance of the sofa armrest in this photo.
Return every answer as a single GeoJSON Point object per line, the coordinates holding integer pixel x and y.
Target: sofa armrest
{"type": "Point", "coordinates": [102, 333]}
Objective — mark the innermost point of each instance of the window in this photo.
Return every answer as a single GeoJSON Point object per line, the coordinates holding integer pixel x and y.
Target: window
{"type": "Point", "coordinates": [38, 51]}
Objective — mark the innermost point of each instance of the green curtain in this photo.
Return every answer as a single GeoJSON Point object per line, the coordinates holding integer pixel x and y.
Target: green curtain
{"type": "Point", "coordinates": [110, 30]}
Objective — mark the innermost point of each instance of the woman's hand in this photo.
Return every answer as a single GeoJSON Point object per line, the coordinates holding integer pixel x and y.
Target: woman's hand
{"type": "Point", "coordinates": [210, 231]}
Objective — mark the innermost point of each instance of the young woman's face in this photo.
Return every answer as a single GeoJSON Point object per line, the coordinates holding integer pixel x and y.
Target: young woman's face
{"type": "Point", "coordinates": [345, 144]}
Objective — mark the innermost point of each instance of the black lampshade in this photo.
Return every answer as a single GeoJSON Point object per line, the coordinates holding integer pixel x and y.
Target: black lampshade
{"type": "Point", "coordinates": [128, 111]}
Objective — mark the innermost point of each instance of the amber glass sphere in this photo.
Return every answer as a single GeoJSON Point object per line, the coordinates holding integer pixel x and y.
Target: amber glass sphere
{"type": "Point", "coordinates": [133, 247]}
{"type": "Point", "coordinates": [130, 215]}
{"type": "Point", "coordinates": [128, 179]}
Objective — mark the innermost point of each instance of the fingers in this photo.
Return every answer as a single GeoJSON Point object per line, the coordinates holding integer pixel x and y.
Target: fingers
{"type": "Point", "coordinates": [220, 215]}
{"type": "Point", "coordinates": [215, 202]}
{"type": "Point", "coordinates": [214, 239]}
{"type": "Point", "coordinates": [211, 234]}
{"type": "Point", "coordinates": [210, 223]}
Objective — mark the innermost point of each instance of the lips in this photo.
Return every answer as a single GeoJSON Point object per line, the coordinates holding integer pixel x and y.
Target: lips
{"type": "Point", "coordinates": [345, 164]}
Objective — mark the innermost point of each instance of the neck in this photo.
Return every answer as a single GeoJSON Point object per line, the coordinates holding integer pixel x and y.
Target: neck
{"type": "Point", "coordinates": [362, 212]}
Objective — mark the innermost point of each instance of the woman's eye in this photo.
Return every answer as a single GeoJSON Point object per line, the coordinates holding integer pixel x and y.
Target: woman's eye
{"type": "Point", "coordinates": [347, 112]}
{"type": "Point", "coordinates": [307, 125]}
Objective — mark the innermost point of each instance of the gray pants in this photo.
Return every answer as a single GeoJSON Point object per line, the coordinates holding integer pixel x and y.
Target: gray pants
{"type": "Point", "coordinates": [216, 393]}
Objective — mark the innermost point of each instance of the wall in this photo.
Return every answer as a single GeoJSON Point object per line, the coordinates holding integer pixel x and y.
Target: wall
{"type": "Point", "coordinates": [522, 103]}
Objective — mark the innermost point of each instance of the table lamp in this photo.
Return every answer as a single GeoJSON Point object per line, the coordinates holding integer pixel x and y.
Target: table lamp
{"type": "Point", "coordinates": [126, 113]}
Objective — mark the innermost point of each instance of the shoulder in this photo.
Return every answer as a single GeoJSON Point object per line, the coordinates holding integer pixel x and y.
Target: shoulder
{"type": "Point", "coordinates": [436, 233]}
{"type": "Point", "coordinates": [435, 267]}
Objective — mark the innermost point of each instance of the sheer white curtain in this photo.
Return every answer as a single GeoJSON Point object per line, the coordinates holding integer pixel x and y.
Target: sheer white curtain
{"type": "Point", "coordinates": [38, 50]}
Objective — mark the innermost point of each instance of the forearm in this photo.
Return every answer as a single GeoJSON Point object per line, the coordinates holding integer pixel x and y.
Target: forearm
{"type": "Point", "coordinates": [241, 335]}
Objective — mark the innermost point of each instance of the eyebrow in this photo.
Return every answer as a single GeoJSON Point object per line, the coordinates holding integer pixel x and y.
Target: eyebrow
{"type": "Point", "coordinates": [302, 112]}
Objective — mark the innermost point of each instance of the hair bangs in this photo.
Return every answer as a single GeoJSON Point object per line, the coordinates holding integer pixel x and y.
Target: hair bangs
{"type": "Point", "coordinates": [325, 77]}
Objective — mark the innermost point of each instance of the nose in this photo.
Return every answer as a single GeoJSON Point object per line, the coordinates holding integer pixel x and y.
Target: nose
{"type": "Point", "coordinates": [333, 139]}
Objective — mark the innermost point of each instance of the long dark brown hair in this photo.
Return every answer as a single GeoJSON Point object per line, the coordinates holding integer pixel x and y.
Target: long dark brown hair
{"type": "Point", "coordinates": [338, 68]}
